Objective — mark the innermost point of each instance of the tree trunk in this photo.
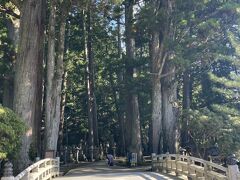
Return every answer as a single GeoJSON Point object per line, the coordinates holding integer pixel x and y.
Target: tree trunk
{"type": "Point", "coordinates": [55, 88]}
{"type": "Point", "coordinates": [8, 82]}
{"type": "Point", "coordinates": [27, 72]}
{"type": "Point", "coordinates": [8, 92]}
{"type": "Point", "coordinates": [186, 107]}
{"type": "Point", "coordinates": [158, 61]}
{"type": "Point", "coordinates": [92, 108]}
{"type": "Point", "coordinates": [133, 132]}
{"type": "Point", "coordinates": [59, 74]}
{"type": "Point", "coordinates": [13, 29]}
{"type": "Point", "coordinates": [158, 56]}
{"type": "Point", "coordinates": [39, 108]}
{"type": "Point", "coordinates": [92, 79]}
{"type": "Point", "coordinates": [136, 142]}
{"type": "Point", "coordinates": [170, 110]}
{"type": "Point", "coordinates": [50, 106]}
{"type": "Point", "coordinates": [63, 96]}
{"type": "Point", "coordinates": [63, 101]}
{"type": "Point", "coordinates": [120, 98]}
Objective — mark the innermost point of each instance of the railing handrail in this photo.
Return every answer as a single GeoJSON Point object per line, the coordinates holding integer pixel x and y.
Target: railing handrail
{"type": "Point", "coordinates": [195, 159]}
{"type": "Point", "coordinates": [49, 163]}
{"type": "Point", "coordinates": [31, 167]}
{"type": "Point", "coordinates": [193, 165]}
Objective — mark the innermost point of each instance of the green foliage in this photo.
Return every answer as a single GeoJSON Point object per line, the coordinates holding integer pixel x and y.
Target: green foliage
{"type": "Point", "coordinates": [205, 127]}
{"type": "Point", "coordinates": [6, 48]}
{"type": "Point", "coordinates": [208, 127]}
{"type": "Point", "coordinates": [11, 130]}
{"type": "Point", "coordinates": [32, 153]}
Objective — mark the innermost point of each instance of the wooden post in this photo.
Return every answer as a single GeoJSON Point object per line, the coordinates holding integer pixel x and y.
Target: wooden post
{"type": "Point", "coordinates": [8, 171]}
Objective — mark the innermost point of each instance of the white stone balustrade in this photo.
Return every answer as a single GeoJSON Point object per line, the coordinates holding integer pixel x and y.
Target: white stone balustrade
{"type": "Point", "coordinates": [44, 169]}
{"type": "Point", "coordinates": [193, 168]}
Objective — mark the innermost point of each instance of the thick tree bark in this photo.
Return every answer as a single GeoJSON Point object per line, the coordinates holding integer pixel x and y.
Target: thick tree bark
{"type": "Point", "coordinates": [27, 72]}
{"type": "Point", "coordinates": [133, 131]}
{"type": "Point", "coordinates": [170, 110]}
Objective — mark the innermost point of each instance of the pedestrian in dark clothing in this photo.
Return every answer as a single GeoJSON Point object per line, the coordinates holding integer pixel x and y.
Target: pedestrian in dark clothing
{"type": "Point", "coordinates": [110, 159]}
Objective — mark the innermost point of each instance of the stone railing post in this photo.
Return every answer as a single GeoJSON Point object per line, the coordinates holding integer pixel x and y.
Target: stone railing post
{"type": "Point", "coordinates": [168, 166]}
{"type": "Point", "coordinates": [233, 170]}
{"type": "Point", "coordinates": [176, 164]}
{"type": "Point", "coordinates": [58, 165]}
{"type": "Point", "coordinates": [37, 159]}
{"type": "Point", "coordinates": [8, 171]}
{"type": "Point", "coordinates": [154, 161]}
{"type": "Point", "coordinates": [189, 162]}
{"type": "Point", "coordinates": [206, 170]}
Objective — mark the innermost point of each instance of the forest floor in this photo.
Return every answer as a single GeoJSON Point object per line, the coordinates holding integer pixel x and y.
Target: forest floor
{"type": "Point", "coordinates": [101, 171]}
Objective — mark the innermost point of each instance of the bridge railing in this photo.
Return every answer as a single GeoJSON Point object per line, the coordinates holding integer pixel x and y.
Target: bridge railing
{"type": "Point", "coordinates": [44, 169]}
{"type": "Point", "coordinates": [194, 168]}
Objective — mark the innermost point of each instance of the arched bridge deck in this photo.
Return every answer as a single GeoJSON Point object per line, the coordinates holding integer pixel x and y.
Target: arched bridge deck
{"type": "Point", "coordinates": [100, 171]}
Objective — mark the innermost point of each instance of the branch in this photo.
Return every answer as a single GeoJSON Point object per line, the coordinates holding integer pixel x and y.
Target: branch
{"type": "Point", "coordinates": [9, 11]}
{"type": "Point", "coordinates": [163, 75]}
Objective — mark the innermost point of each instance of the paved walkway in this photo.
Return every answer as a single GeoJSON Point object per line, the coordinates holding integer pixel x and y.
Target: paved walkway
{"type": "Point", "coordinates": [100, 171]}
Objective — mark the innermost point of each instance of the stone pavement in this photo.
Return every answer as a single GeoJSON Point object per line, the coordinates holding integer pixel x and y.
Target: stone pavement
{"type": "Point", "coordinates": [100, 171]}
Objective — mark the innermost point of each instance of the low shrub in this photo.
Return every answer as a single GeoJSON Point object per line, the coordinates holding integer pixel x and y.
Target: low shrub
{"type": "Point", "coordinates": [11, 130]}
